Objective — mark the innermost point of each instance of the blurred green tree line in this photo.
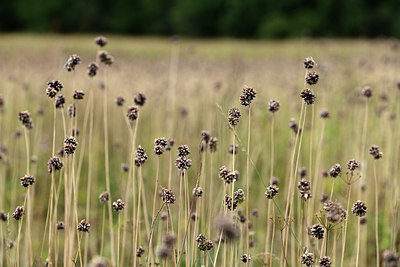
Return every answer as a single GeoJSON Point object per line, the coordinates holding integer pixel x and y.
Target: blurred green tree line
{"type": "Point", "coordinates": [206, 18]}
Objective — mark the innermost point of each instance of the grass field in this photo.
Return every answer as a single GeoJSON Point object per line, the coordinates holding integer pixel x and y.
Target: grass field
{"type": "Point", "coordinates": [189, 86]}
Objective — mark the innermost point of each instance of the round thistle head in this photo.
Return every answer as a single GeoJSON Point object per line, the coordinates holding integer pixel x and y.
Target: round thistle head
{"type": "Point", "coordinates": [205, 136]}
{"type": "Point", "coordinates": [309, 63]}
{"type": "Point", "coordinates": [92, 69]}
{"type": "Point", "coordinates": [248, 95]}
{"type": "Point", "coordinates": [317, 231]}
{"type": "Point", "coordinates": [170, 144]}
{"type": "Point", "coordinates": [17, 214]}
{"type": "Point", "coordinates": [167, 196]}
{"type": "Point", "coordinates": [325, 262]}
{"type": "Point", "coordinates": [183, 151]}
{"type": "Point", "coordinates": [72, 62]}
{"type": "Point", "coordinates": [119, 101]}
{"type": "Point", "coordinates": [335, 171]}
{"type": "Point", "coordinates": [231, 150]}
{"type": "Point", "coordinates": [366, 91]}
{"type": "Point", "coordinates": [231, 205]}
{"type": "Point", "coordinates": [54, 164]}
{"type": "Point", "coordinates": [374, 152]}
{"type": "Point", "coordinates": [183, 163]}
{"type": "Point", "coordinates": [27, 180]}
{"type": "Point", "coordinates": [234, 116]}
{"type": "Point", "coordinates": [271, 191]}
{"type": "Point", "coordinates": [83, 226]}
{"type": "Point", "coordinates": [139, 99]}
{"type": "Point", "coordinates": [273, 106]}
{"type": "Point", "coordinates": [312, 78]}
{"type": "Point", "coordinates": [198, 192]}
{"type": "Point", "coordinates": [307, 258]}
{"type": "Point", "coordinates": [359, 208]}
{"type": "Point", "coordinates": [352, 165]}
{"type": "Point", "coordinates": [100, 41]}
{"type": "Point", "coordinates": [132, 113]}
{"type": "Point", "coordinates": [239, 196]}
{"type": "Point", "coordinates": [308, 96]}
{"type": "Point", "coordinates": [118, 205]}
{"type": "Point", "coordinates": [53, 87]}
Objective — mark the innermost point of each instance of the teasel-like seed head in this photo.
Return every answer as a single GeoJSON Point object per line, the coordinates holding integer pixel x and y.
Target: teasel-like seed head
{"type": "Point", "coordinates": [374, 151]}
{"type": "Point", "coordinates": [53, 87]}
{"type": "Point", "coordinates": [273, 106]}
{"type": "Point", "coordinates": [324, 114]}
{"type": "Point", "coordinates": [245, 258]}
{"type": "Point", "coordinates": [71, 110]}
{"type": "Point", "coordinates": [104, 197]}
{"type": "Point", "coordinates": [234, 116]}
{"type": "Point", "coordinates": [17, 214]}
{"type": "Point", "coordinates": [118, 205]}
{"type": "Point", "coordinates": [312, 78]}
{"type": "Point", "coordinates": [307, 258]}
{"type": "Point", "coordinates": [335, 170]}
{"type": "Point", "coordinates": [100, 41]}
{"type": "Point", "coordinates": [271, 191]}
{"type": "Point", "coordinates": [303, 172]}
{"type": "Point", "coordinates": [25, 118]}
{"type": "Point", "coordinates": [248, 95]}
{"type": "Point", "coordinates": [59, 101]}
{"type": "Point", "coordinates": [352, 165]}
{"type": "Point", "coordinates": [83, 226]}
{"type": "Point", "coordinates": [359, 208]}
{"type": "Point", "coordinates": [367, 91]}
{"type": "Point", "coordinates": [334, 211]}
{"type": "Point", "coordinates": [119, 101]}
{"type": "Point", "coordinates": [92, 69]}
{"type": "Point", "coordinates": [325, 262]}
{"type": "Point", "coordinates": [308, 96]}
{"type": "Point", "coordinates": [167, 196]}
{"type": "Point", "coordinates": [304, 187]}
{"type": "Point", "coordinates": [198, 192]}
{"type": "Point", "coordinates": [230, 150]}
{"type": "Point", "coordinates": [391, 258]}
{"type": "Point", "coordinates": [324, 197]}
{"type": "Point", "coordinates": [183, 163]}
{"type": "Point", "coordinates": [132, 113]}
{"type": "Point", "coordinates": [212, 144]}
{"type": "Point", "coordinates": [3, 216]}
{"type": "Point", "coordinates": [54, 164]}
{"type": "Point", "coordinates": [317, 231]}
{"type": "Point", "coordinates": [309, 63]}
{"type": "Point", "coordinates": [105, 58]}
{"type": "Point", "coordinates": [70, 145]}
{"type": "Point", "coordinates": [78, 95]}
{"type": "Point", "coordinates": [60, 225]}
{"type": "Point", "coordinates": [27, 180]}
{"type": "Point", "coordinates": [183, 151]}
{"type": "Point", "coordinates": [139, 99]}
{"type": "Point", "coordinates": [124, 167]}
{"type": "Point", "coordinates": [140, 251]}
{"type": "Point", "coordinates": [72, 62]}
{"type": "Point", "coordinates": [170, 144]}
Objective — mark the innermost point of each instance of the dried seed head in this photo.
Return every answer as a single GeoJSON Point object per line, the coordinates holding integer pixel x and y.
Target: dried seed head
{"type": "Point", "coordinates": [124, 167]}
{"type": "Point", "coordinates": [274, 181]}
{"type": "Point", "coordinates": [27, 180]}
{"type": "Point", "coordinates": [312, 78]}
{"type": "Point", "coordinates": [198, 192]}
{"type": "Point", "coordinates": [118, 205]}
{"type": "Point", "coordinates": [229, 204]}
{"type": "Point", "coordinates": [248, 95]}
{"type": "Point", "coordinates": [234, 116]}
{"type": "Point", "coordinates": [140, 251]}
{"type": "Point", "coordinates": [25, 118]}
{"type": "Point", "coordinates": [105, 58]}
{"type": "Point", "coordinates": [17, 214]}
{"type": "Point", "coordinates": [53, 87]}
{"type": "Point", "coordinates": [83, 226]}
{"type": "Point", "coordinates": [239, 196]}
{"type": "Point", "coordinates": [166, 249]}
{"type": "Point", "coordinates": [170, 144]}
{"type": "Point", "coordinates": [324, 197]}
{"type": "Point", "coordinates": [183, 151]}
{"type": "Point", "coordinates": [374, 151]}
{"type": "Point", "coordinates": [271, 191]}
{"type": "Point", "coordinates": [359, 208]}
{"type": "Point", "coordinates": [317, 231]}
{"type": "Point", "coordinates": [391, 258]}
{"type": "Point", "coordinates": [164, 216]}
{"type": "Point", "coordinates": [167, 196]}
{"type": "Point", "coordinates": [139, 99]}
{"type": "Point", "coordinates": [227, 175]}
{"type": "Point", "coordinates": [325, 262]}
{"type": "Point", "coordinates": [308, 96]}
{"type": "Point", "coordinates": [60, 225]}
{"type": "Point", "coordinates": [304, 187]}
{"type": "Point", "coordinates": [104, 197]}
{"type": "Point", "coordinates": [309, 63]}
{"type": "Point", "coordinates": [352, 165]}
{"type": "Point", "coordinates": [72, 62]}
{"type": "Point", "coordinates": [245, 258]}
{"type": "Point", "coordinates": [132, 113]}
{"type": "Point", "coordinates": [273, 106]}
{"type": "Point", "coordinates": [59, 101]}
{"type": "Point", "coordinates": [161, 142]}
{"type": "Point", "coordinates": [230, 230]}
{"type": "Point", "coordinates": [92, 69]}
{"type": "Point", "coordinates": [78, 95]}
{"type": "Point", "coordinates": [293, 125]}
{"type": "Point", "coordinates": [335, 171]}
{"type": "Point", "coordinates": [230, 150]}
{"type": "Point", "coordinates": [212, 144]}
{"type": "Point", "coordinates": [119, 100]}
{"type": "Point", "coordinates": [205, 136]}
{"type": "Point", "coordinates": [3, 216]}
{"type": "Point", "coordinates": [363, 220]}
{"type": "Point", "coordinates": [54, 164]}
{"type": "Point", "coordinates": [334, 211]}
{"type": "Point", "coordinates": [70, 145]}
{"type": "Point", "coordinates": [71, 110]}
{"type": "Point", "coordinates": [141, 156]}
{"type": "Point", "coordinates": [100, 41]}
{"type": "Point", "coordinates": [324, 114]}
{"type": "Point", "coordinates": [303, 172]}
{"type": "Point", "coordinates": [367, 91]}
{"type": "Point", "coordinates": [183, 163]}
{"type": "Point", "coordinates": [307, 258]}
{"type": "Point", "coordinates": [159, 150]}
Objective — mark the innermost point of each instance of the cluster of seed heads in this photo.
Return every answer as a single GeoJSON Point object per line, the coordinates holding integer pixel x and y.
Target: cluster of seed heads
{"type": "Point", "coordinates": [140, 251]}
{"type": "Point", "coordinates": [234, 116]}
{"type": "Point", "coordinates": [304, 187]}
{"type": "Point", "coordinates": [227, 175]}
{"type": "Point", "coordinates": [100, 41]}
{"type": "Point", "coordinates": [334, 211]}
{"type": "Point", "coordinates": [53, 88]}
{"type": "Point", "coordinates": [141, 156]}
{"type": "Point", "coordinates": [167, 196]}
{"type": "Point", "coordinates": [367, 91]}
{"type": "Point", "coordinates": [92, 69]}
{"type": "Point", "coordinates": [325, 262]}
{"type": "Point", "coordinates": [335, 171]}
{"type": "Point", "coordinates": [54, 164]}
{"type": "Point", "coordinates": [104, 197]}
{"type": "Point", "coordinates": [212, 144]}
{"type": "Point", "coordinates": [27, 180]}
{"type": "Point", "coordinates": [17, 214]}
{"type": "Point", "coordinates": [312, 78]}
{"type": "Point", "coordinates": [308, 96]}
{"type": "Point", "coordinates": [273, 106]}
{"type": "Point", "coordinates": [72, 62]}
{"type": "Point", "coordinates": [198, 191]}
{"type": "Point", "coordinates": [83, 226]}
{"type": "Point", "coordinates": [207, 141]}
{"type": "Point", "coordinates": [307, 258]}
{"type": "Point", "coordinates": [59, 101]}
{"type": "Point", "coordinates": [70, 145]}
{"type": "Point", "coordinates": [248, 95]}
{"type": "Point", "coordinates": [119, 101]}
{"type": "Point", "coordinates": [245, 258]}
{"type": "Point", "coordinates": [203, 243]}
{"type": "Point", "coordinates": [132, 113]}
{"type": "Point", "coordinates": [359, 208]}
{"type": "Point", "coordinates": [78, 95]}
{"type": "Point", "coordinates": [160, 145]}
{"type": "Point", "coordinates": [182, 162]}
{"type": "Point", "coordinates": [374, 151]}
{"type": "Point", "coordinates": [352, 165]}
{"type": "Point", "coordinates": [317, 231]}
{"type": "Point", "coordinates": [139, 99]}
{"type": "Point", "coordinates": [391, 258]}
{"type": "Point", "coordinates": [271, 191]}
{"type": "Point", "coordinates": [106, 58]}
{"type": "Point", "coordinates": [309, 63]}
{"type": "Point", "coordinates": [118, 205]}
{"type": "Point", "coordinates": [25, 118]}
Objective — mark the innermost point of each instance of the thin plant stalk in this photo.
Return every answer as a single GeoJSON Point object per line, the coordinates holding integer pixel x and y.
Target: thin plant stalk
{"type": "Point", "coordinates": [376, 215]}
{"type": "Point", "coordinates": [248, 184]}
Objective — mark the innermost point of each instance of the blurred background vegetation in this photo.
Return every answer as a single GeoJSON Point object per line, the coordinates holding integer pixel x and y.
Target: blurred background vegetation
{"type": "Point", "coordinates": [206, 18]}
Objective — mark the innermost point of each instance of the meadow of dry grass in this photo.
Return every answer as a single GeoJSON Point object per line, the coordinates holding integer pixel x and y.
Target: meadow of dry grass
{"type": "Point", "coordinates": [190, 85]}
